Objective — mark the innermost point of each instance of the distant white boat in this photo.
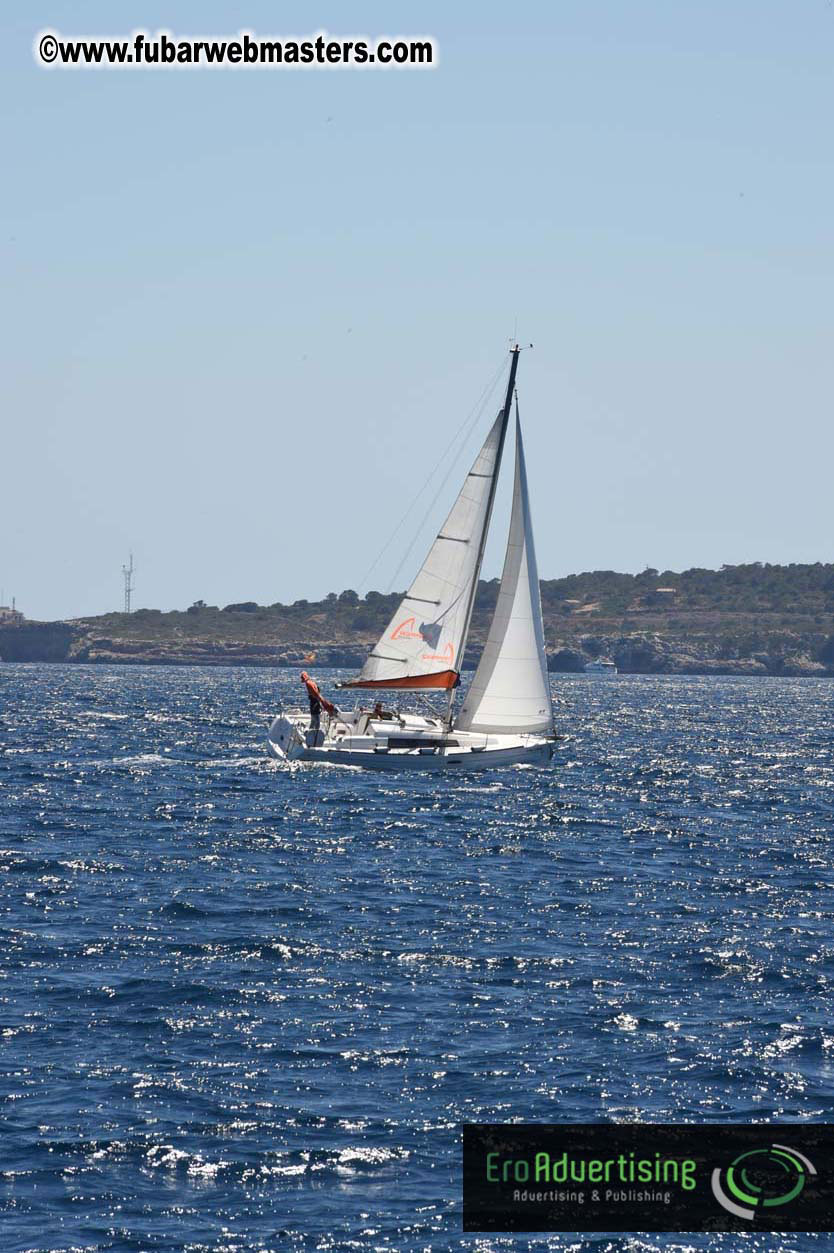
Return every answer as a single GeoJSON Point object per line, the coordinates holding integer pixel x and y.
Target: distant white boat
{"type": "Point", "coordinates": [507, 716]}
{"type": "Point", "coordinates": [600, 667]}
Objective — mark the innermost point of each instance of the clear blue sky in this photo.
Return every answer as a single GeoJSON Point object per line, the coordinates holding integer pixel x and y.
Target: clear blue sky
{"type": "Point", "coordinates": [243, 311]}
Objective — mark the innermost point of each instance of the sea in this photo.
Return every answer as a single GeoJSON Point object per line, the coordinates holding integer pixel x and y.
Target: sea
{"type": "Point", "coordinates": [248, 1008]}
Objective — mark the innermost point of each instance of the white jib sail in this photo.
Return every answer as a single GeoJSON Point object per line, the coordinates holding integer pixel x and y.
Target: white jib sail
{"type": "Point", "coordinates": [424, 636]}
{"type": "Point", "coordinates": [510, 690]}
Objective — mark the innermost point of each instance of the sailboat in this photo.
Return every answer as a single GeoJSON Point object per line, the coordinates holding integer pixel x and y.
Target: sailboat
{"type": "Point", "coordinates": [507, 715]}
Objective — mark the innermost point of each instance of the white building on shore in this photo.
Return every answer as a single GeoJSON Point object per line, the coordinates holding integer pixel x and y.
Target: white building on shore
{"type": "Point", "coordinates": [10, 616]}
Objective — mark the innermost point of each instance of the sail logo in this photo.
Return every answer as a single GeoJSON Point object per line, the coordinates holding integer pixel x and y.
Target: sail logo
{"type": "Point", "coordinates": [448, 655]}
{"type": "Point", "coordinates": [406, 630]}
{"type": "Point", "coordinates": [430, 633]}
{"type": "Point", "coordinates": [760, 1179]}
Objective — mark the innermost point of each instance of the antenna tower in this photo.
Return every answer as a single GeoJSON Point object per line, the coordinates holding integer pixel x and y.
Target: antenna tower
{"type": "Point", "coordinates": [127, 572]}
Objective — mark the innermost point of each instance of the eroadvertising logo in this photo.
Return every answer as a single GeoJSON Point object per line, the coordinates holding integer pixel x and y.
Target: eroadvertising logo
{"type": "Point", "coordinates": [761, 1179]}
{"type": "Point", "coordinates": [647, 1177]}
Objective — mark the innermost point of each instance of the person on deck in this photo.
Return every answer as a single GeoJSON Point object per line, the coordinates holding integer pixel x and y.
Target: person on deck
{"type": "Point", "coordinates": [317, 703]}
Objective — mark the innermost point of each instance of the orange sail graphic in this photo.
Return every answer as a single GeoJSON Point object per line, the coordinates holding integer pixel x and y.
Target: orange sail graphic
{"type": "Point", "coordinates": [406, 630]}
{"type": "Point", "coordinates": [448, 655]}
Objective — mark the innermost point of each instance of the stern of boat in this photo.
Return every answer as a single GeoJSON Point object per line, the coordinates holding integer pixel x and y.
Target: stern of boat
{"type": "Point", "coordinates": [285, 739]}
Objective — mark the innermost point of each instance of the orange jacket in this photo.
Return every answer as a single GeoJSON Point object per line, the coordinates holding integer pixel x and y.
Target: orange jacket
{"type": "Point", "coordinates": [314, 693]}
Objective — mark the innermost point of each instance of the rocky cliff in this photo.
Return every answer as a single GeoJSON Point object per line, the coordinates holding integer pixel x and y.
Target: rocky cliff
{"type": "Point", "coordinates": [782, 653]}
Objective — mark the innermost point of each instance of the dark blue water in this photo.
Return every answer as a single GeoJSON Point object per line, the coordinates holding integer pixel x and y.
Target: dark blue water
{"type": "Point", "coordinates": [248, 1009]}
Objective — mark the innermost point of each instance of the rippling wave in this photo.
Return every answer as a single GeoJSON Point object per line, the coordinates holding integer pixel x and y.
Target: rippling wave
{"type": "Point", "coordinates": [245, 1008]}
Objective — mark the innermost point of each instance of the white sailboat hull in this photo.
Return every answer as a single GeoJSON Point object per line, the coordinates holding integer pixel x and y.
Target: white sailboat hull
{"type": "Point", "coordinates": [407, 742]}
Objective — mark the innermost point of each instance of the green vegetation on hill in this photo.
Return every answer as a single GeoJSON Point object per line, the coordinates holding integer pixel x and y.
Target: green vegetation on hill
{"type": "Point", "coordinates": [579, 603]}
{"type": "Point", "coordinates": [753, 588]}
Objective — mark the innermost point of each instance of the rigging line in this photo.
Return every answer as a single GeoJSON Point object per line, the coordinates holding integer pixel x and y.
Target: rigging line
{"type": "Point", "coordinates": [469, 421]}
{"type": "Point", "coordinates": [430, 510]}
{"type": "Point", "coordinates": [453, 462]}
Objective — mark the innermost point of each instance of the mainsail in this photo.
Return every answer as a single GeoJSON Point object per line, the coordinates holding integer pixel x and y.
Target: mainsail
{"type": "Point", "coordinates": [422, 644]}
{"type": "Point", "coordinates": [510, 690]}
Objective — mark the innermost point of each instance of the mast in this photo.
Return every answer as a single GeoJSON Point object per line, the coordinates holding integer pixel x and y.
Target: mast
{"type": "Point", "coordinates": [505, 420]}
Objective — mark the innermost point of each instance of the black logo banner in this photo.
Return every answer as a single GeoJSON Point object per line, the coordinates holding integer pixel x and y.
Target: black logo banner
{"type": "Point", "coordinates": [648, 1177]}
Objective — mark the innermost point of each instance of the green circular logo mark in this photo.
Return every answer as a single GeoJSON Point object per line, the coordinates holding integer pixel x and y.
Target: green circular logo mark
{"type": "Point", "coordinates": [761, 1179]}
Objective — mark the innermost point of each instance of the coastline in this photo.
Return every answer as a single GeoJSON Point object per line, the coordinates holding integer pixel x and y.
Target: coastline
{"type": "Point", "coordinates": [782, 652]}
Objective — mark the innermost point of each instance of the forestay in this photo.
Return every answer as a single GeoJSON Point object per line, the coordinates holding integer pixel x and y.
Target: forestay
{"type": "Point", "coordinates": [510, 690]}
